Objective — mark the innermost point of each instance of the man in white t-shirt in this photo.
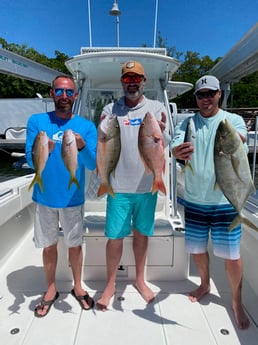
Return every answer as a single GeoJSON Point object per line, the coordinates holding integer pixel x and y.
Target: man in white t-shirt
{"type": "Point", "coordinates": [133, 206]}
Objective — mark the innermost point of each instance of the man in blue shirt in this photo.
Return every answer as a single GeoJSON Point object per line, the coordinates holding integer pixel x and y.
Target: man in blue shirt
{"type": "Point", "coordinates": [57, 201]}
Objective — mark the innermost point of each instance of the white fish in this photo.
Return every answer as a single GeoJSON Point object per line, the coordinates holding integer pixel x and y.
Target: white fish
{"type": "Point", "coordinates": [232, 171]}
{"type": "Point", "coordinates": [70, 156]}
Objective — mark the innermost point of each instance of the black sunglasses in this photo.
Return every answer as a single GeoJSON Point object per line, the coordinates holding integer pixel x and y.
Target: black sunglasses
{"type": "Point", "coordinates": [59, 92]}
{"type": "Point", "coordinates": [206, 94]}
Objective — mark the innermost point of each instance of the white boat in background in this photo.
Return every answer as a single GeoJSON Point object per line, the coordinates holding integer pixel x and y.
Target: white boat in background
{"type": "Point", "coordinates": [171, 319]}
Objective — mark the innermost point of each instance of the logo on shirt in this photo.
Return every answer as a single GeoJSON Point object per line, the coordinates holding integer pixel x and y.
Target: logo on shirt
{"type": "Point", "coordinates": [58, 136]}
{"type": "Point", "coordinates": [132, 122]}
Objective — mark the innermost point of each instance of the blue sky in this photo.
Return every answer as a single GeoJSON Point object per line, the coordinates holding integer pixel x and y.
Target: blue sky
{"type": "Point", "coordinates": [208, 27]}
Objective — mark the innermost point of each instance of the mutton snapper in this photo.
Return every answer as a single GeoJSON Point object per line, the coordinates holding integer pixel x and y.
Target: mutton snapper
{"type": "Point", "coordinates": [40, 152]}
{"type": "Point", "coordinates": [151, 148]}
{"type": "Point", "coordinates": [232, 170]}
{"type": "Point", "coordinates": [70, 156]}
{"type": "Point", "coordinates": [108, 152]}
{"type": "Point", "coordinates": [190, 136]}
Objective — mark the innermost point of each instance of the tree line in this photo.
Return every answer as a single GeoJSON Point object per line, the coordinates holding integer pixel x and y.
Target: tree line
{"type": "Point", "coordinates": [243, 93]}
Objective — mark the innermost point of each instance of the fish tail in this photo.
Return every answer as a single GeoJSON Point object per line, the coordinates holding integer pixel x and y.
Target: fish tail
{"type": "Point", "coordinates": [159, 185]}
{"type": "Point", "coordinates": [235, 222]}
{"type": "Point", "coordinates": [191, 168]}
{"type": "Point", "coordinates": [73, 179]}
{"type": "Point", "coordinates": [37, 179]}
{"type": "Point", "coordinates": [240, 218]}
{"type": "Point", "coordinates": [189, 165]}
{"type": "Point", "coordinates": [105, 188]}
{"type": "Point", "coordinates": [164, 166]}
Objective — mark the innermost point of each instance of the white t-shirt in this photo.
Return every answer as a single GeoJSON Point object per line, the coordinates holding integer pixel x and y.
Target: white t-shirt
{"type": "Point", "coordinates": [129, 175]}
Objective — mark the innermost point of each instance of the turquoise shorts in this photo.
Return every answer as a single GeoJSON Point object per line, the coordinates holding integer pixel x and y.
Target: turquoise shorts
{"type": "Point", "coordinates": [126, 211]}
{"type": "Point", "coordinates": [200, 220]}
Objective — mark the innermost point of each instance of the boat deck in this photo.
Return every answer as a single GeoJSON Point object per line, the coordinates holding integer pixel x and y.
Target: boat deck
{"type": "Point", "coordinates": [170, 320]}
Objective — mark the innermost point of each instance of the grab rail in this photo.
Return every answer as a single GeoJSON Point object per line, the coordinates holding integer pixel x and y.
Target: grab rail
{"type": "Point", "coordinates": [6, 192]}
{"type": "Point", "coordinates": [255, 148]}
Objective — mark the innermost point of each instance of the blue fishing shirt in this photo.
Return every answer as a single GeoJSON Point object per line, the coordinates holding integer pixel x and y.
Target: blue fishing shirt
{"type": "Point", "coordinates": [200, 186]}
{"type": "Point", "coordinates": [55, 175]}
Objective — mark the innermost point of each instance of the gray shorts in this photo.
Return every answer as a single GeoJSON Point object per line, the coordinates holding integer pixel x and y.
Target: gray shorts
{"type": "Point", "coordinates": [47, 223]}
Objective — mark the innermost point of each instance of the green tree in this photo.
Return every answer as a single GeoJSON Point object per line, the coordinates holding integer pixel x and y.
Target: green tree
{"type": "Point", "coordinates": [14, 87]}
{"type": "Point", "coordinates": [244, 93]}
{"type": "Point", "coordinates": [191, 69]}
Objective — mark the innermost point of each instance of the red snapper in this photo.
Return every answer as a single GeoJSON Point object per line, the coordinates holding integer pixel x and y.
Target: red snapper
{"type": "Point", "coordinates": [151, 148]}
{"type": "Point", "coordinates": [108, 152]}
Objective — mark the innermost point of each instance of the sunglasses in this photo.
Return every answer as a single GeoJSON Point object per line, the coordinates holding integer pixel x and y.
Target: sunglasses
{"type": "Point", "coordinates": [59, 92]}
{"type": "Point", "coordinates": [127, 79]}
{"type": "Point", "coordinates": [207, 94]}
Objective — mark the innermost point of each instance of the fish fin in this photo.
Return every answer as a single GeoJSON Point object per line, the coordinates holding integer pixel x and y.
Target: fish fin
{"type": "Point", "coordinates": [216, 186]}
{"type": "Point", "coordinates": [147, 169]}
{"type": "Point", "coordinates": [73, 179]}
{"type": "Point", "coordinates": [235, 222]}
{"type": "Point", "coordinates": [236, 165]}
{"type": "Point", "coordinates": [37, 179]}
{"type": "Point", "coordinates": [51, 145]}
{"type": "Point", "coordinates": [240, 218]}
{"type": "Point", "coordinates": [189, 165]}
{"type": "Point", "coordinates": [164, 166]}
{"type": "Point", "coordinates": [113, 173]}
{"type": "Point", "coordinates": [105, 188]}
{"type": "Point", "coordinates": [159, 185]}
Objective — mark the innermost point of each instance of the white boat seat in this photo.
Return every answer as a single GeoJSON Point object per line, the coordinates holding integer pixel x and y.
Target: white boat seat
{"type": "Point", "coordinates": [94, 226]}
{"type": "Point", "coordinates": [15, 133]}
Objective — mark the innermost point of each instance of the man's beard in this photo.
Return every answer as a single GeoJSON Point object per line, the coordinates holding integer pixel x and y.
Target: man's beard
{"type": "Point", "coordinates": [134, 95]}
{"type": "Point", "coordinates": [64, 107]}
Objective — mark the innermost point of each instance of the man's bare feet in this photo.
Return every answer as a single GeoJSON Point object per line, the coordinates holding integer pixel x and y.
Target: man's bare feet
{"type": "Point", "coordinates": [146, 293]}
{"type": "Point", "coordinates": [196, 295]}
{"type": "Point", "coordinates": [103, 302]}
{"type": "Point", "coordinates": [240, 316]}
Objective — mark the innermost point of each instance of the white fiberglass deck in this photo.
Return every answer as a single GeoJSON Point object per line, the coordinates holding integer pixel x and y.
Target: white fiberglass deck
{"type": "Point", "coordinates": [170, 320]}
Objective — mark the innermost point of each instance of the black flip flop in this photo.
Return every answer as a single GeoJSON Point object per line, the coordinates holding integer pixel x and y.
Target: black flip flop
{"type": "Point", "coordinates": [85, 298]}
{"type": "Point", "coordinates": [44, 303]}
